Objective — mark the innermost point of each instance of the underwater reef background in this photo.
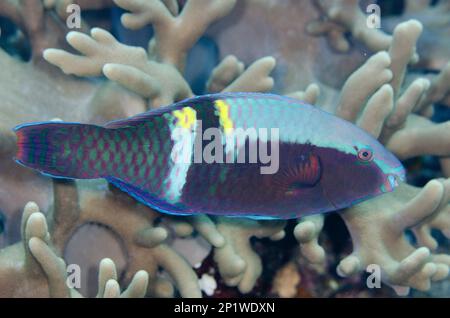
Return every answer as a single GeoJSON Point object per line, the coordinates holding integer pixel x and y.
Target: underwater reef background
{"type": "Point", "coordinates": [132, 55]}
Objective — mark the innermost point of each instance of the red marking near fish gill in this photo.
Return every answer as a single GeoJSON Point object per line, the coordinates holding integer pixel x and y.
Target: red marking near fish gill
{"type": "Point", "coordinates": [20, 145]}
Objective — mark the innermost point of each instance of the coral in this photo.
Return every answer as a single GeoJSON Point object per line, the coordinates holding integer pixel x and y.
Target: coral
{"type": "Point", "coordinates": [301, 58]}
{"type": "Point", "coordinates": [432, 47]}
{"type": "Point", "coordinates": [174, 34]}
{"type": "Point", "coordinates": [378, 226]}
{"type": "Point", "coordinates": [238, 264]}
{"type": "Point", "coordinates": [127, 65]}
{"type": "Point", "coordinates": [307, 234]}
{"type": "Point", "coordinates": [380, 238]}
{"type": "Point", "coordinates": [36, 91]}
{"type": "Point", "coordinates": [32, 269]}
{"type": "Point", "coordinates": [338, 17]}
{"type": "Point", "coordinates": [133, 223]}
{"type": "Point", "coordinates": [311, 59]}
{"type": "Point", "coordinates": [40, 28]}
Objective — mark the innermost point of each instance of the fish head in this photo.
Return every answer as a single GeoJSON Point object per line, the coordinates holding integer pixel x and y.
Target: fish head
{"type": "Point", "coordinates": [358, 169]}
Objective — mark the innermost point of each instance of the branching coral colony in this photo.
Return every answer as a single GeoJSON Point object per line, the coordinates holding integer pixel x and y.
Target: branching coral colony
{"type": "Point", "coordinates": [380, 96]}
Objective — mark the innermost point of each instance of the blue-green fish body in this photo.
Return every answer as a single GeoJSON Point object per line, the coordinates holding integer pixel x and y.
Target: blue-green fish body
{"type": "Point", "coordinates": [238, 154]}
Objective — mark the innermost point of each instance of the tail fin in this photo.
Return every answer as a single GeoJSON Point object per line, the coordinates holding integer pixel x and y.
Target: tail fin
{"type": "Point", "coordinates": [57, 149]}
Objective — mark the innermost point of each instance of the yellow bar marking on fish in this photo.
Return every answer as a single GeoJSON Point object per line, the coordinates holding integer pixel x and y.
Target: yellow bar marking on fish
{"type": "Point", "coordinates": [185, 116]}
{"type": "Point", "coordinates": [224, 115]}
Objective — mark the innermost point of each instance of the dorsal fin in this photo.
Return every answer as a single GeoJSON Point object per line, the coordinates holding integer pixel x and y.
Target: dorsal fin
{"type": "Point", "coordinates": [143, 117]}
{"type": "Point", "coordinates": [196, 100]}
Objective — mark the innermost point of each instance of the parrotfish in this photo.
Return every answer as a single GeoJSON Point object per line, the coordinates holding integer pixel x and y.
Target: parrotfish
{"type": "Point", "coordinates": [261, 156]}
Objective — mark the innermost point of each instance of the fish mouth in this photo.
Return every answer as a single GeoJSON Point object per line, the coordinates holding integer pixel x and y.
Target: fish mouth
{"type": "Point", "coordinates": [399, 172]}
{"type": "Point", "coordinates": [393, 178]}
{"type": "Point", "coordinates": [391, 182]}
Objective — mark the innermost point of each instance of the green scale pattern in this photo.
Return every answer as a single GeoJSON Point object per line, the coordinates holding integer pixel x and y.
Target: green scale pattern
{"type": "Point", "coordinates": [136, 154]}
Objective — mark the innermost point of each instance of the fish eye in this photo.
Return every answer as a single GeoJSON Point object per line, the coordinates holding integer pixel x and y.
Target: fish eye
{"type": "Point", "coordinates": [365, 155]}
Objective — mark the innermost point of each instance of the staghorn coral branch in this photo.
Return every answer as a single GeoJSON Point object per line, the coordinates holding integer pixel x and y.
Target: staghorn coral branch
{"type": "Point", "coordinates": [138, 286]}
{"type": "Point", "coordinates": [406, 134]}
{"type": "Point", "coordinates": [224, 74]}
{"type": "Point", "coordinates": [39, 271]}
{"type": "Point", "coordinates": [33, 224]}
{"type": "Point", "coordinates": [181, 227]}
{"type": "Point", "coordinates": [379, 104]}
{"type": "Point", "coordinates": [66, 207]}
{"type": "Point", "coordinates": [230, 76]}
{"type": "Point", "coordinates": [418, 207]}
{"type": "Point", "coordinates": [174, 35]}
{"type": "Point", "coordinates": [128, 66]}
{"type": "Point", "coordinates": [439, 221]}
{"type": "Point", "coordinates": [404, 106]}
{"type": "Point", "coordinates": [179, 269]}
{"type": "Point", "coordinates": [109, 288]}
{"type": "Point", "coordinates": [379, 237]}
{"type": "Point", "coordinates": [207, 229]}
{"type": "Point", "coordinates": [403, 50]}
{"type": "Point", "coordinates": [238, 264]}
{"type": "Point", "coordinates": [107, 271]}
{"type": "Point", "coordinates": [386, 113]}
{"type": "Point", "coordinates": [420, 136]}
{"type": "Point", "coordinates": [161, 83]}
{"type": "Point", "coordinates": [432, 46]}
{"type": "Point", "coordinates": [377, 109]}
{"type": "Point", "coordinates": [98, 49]}
{"type": "Point", "coordinates": [438, 91]}
{"type": "Point", "coordinates": [307, 234]}
{"type": "Point", "coordinates": [202, 224]}
{"type": "Point", "coordinates": [143, 240]}
{"type": "Point", "coordinates": [309, 95]}
{"type": "Point", "coordinates": [133, 223]}
{"type": "Point", "coordinates": [41, 28]}
{"type": "Point", "coordinates": [260, 71]}
{"type": "Point", "coordinates": [151, 237]}
{"type": "Point", "coordinates": [373, 74]}
{"type": "Point", "coordinates": [389, 68]}
{"type": "Point", "coordinates": [52, 265]}
{"type": "Point", "coordinates": [345, 15]}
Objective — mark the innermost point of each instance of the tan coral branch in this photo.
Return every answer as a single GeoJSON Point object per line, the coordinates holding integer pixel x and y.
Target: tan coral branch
{"type": "Point", "coordinates": [345, 15]}
{"type": "Point", "coordinates": [238, 264]}
{"type": "Point", "coordinates": [379, 238]}
{"type": "Point", "coordinates": [128, 66]}
{"type": "Point", "coordinates": [174, 35]}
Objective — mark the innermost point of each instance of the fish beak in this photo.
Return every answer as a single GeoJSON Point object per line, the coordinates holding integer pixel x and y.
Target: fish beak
{"type": "Point", "coordinates": [399, 174]}
{"type": "Point", "coordinates": [391, 182]}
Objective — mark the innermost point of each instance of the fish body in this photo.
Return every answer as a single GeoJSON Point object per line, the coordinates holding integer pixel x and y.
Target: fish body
{"type": "Point", "coordinates": [261, 156]}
